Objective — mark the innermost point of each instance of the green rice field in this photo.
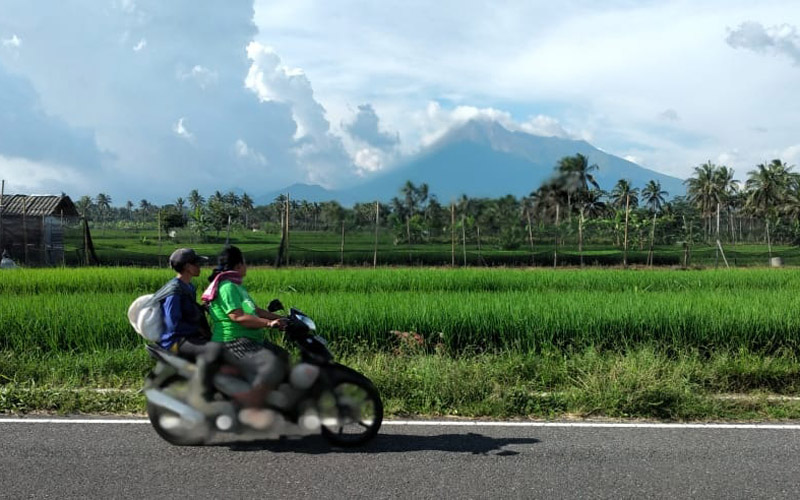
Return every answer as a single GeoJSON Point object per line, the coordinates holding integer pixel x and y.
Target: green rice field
{"type": "Point", "coordinates": [652, 343]}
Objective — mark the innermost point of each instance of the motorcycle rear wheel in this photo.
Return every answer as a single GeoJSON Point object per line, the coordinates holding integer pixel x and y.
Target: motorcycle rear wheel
{"type": "Point", "coordinates": [351, 412]}
{"type": "Point", "coordinates": [168, 425]}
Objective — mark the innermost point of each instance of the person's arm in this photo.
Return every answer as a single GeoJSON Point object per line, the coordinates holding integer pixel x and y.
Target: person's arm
{"type": "Point", "coordinates": [172, 314]}
{"type": "Point", "coordinates": [263, 313]}
{"type": "Point", "coordinates": [252, 321]}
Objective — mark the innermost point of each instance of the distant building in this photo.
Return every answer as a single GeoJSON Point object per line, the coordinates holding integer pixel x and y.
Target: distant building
{"type": "Point", "coordinates": [32, 227]}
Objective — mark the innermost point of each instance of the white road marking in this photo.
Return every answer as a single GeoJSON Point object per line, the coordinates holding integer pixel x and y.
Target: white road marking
{"type": "Point", "coordinates": [457, 423]}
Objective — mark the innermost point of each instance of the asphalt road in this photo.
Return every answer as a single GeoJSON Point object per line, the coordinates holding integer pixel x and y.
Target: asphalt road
{"type": "Point", "coordinates": [125, 460]}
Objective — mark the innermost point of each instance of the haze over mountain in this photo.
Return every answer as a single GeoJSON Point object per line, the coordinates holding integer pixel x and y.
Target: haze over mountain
{"type": "Point", "coordinates": [484, 159]}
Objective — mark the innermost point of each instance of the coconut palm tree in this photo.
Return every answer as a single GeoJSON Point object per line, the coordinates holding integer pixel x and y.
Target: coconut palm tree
{"type": "Point", "coordinates": [705, 191]}
{"type": "Point", "coordinates": [196, 200]}
{"type": "Point", "coordinates": [623, 195]}
{"type": "Point", "coordinates": [654, 198]}
{"type": "Point", "coordinates": [575, 178]}
{"type": "Point", "coordinates": [767, 188]}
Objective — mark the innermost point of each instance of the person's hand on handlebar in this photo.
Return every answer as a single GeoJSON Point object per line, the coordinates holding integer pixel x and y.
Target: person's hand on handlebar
{"type": "Point", "coordinates": [280, 323]}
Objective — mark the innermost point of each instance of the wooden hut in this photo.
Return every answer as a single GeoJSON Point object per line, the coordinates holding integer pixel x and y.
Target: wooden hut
{"type": "Point", "coordinates": [32, 227]}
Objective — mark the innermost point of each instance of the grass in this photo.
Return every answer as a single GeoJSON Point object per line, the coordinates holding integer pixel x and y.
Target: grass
{"type": "Point", "coordinates": [322, 248]}
{"type": "Point", "coordinates": [642, 383]}
{"type": "Point", "coordinates": [495, 342]}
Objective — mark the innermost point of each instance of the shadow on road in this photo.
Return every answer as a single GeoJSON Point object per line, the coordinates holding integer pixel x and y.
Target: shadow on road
{"type": "Point", "coordinates": [476, 444]}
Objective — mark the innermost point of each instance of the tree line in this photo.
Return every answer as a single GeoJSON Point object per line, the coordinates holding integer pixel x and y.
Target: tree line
{"type": "Point", "coordinates": [569, 207]}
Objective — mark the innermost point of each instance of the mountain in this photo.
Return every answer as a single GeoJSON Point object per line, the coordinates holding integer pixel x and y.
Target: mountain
{"type": "Point", "coordinates": [484, 159]}
{"type": "Point", "coordinates": [308, 192]}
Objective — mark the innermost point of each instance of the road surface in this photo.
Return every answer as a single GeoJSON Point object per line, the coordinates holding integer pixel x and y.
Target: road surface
{"type": "Point", "coordinates": [70, 458]}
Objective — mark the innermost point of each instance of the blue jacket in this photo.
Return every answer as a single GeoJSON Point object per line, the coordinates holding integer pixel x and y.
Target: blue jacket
{"type": "Point", "coordinates": [182, 314]}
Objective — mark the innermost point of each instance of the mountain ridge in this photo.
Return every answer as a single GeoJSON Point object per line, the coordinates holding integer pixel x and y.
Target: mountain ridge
{"type": "Point", "coordinates": [484, 159]}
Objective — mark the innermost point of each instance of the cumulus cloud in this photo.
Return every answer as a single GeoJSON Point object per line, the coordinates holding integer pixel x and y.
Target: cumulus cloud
{"type": "Point", "coordinates": [779, 40]}
{"type": "Point", "coordinates": [546, 126]}
{"type": "Point", "coordinates": [366, 128]}
{"type": "Point", "coordinates": [25, 176]}
{"type": "Point", "coordinates": [27, 131]}
{"type": "Point", "coordinates": [319, 152]}
{"type": "Point", "coordinates": [164, 71]}
{"type": "Point", "coordinates": [368, 160]}
{"type": "Point", "coordinates": [438, 121]}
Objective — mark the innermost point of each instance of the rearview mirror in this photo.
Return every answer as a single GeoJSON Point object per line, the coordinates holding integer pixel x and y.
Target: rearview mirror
{"type": "Point", "coordinates": [275, 305]}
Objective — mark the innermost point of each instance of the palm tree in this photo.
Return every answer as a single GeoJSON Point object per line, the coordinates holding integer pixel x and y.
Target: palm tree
{"type": "Point", "coordinates": [246, 205]}
{"type": "Point", "coordinates": [103, 202]}
{"type": "Point", "coordinates": [575, 178]}
{"type": "Point", "coordinates": [767, 187]}
{"type": "Point", "coordinates": [84, 205]}
{"type": "Point", "coordinates": [705, 191]}
{"type": "Point", "coordinates": [654, 198]}
{"type": "Point", "coordinates": [196, 200]}
{"type": "Point", "coordinates": [624, 195]}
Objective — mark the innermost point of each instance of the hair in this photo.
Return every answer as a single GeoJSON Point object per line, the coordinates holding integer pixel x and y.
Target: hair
{"type": "Point", "coordinates": [227, 259]}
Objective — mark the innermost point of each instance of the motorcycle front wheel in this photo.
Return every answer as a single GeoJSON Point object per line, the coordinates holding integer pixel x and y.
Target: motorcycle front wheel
{"type": "Point", "coordinates": [350, 411]}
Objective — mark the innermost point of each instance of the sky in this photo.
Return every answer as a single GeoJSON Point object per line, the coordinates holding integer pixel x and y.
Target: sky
{"type": "Point", "coordinates": [146, 99]}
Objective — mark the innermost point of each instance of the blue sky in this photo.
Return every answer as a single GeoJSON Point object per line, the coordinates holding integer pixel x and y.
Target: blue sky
{"type": "Point", "coordinates": [150, 99]}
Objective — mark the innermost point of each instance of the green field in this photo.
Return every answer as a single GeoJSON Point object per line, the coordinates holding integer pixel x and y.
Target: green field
{"type": "Point", "coordinates": [496, 341]}
{"type": "Point", "coordinates": [319, 248]}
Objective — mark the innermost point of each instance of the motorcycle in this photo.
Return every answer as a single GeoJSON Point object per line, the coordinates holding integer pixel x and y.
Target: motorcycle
{"type": "Point", "coordinates": [318, 395]}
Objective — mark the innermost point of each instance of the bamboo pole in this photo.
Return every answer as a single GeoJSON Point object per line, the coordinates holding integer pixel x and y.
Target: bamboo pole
{"type": "Point", "coordinates": [625, 247]}
{"type": "Point", "coordinates": [452, 234]}
{"type": "Point", "coordinates": [530, 236]}
{"type": "Point", "coordinates": [286, 248]}
{"type": "Point", "coordinates": [25, 228]}
{"type": "Point", "coordinates": [341, 251]}
{"type": "Point", "coordinates": [377, 218]}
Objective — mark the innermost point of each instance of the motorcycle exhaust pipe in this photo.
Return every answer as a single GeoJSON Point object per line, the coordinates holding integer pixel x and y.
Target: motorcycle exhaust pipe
{"type": "Point", "coordinates": [184, 411]}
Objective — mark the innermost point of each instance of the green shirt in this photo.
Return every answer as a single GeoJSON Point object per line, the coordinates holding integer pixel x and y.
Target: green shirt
{"type": "Point", "coordinates": [230, 297]}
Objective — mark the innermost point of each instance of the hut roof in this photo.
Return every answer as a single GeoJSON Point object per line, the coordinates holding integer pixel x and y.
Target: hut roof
{"type": "Point", "coordinates": [38, 205]}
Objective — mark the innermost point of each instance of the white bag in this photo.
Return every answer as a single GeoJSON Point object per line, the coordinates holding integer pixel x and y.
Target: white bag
{"type": "Point", "coordinates": [146, 317]}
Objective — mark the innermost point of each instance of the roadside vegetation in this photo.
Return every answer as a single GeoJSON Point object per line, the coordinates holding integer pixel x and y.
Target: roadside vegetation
{"type": "Point", "coordinates": [460, 342]}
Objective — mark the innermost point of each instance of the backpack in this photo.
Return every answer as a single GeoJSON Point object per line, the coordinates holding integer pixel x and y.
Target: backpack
{"type": "Point", "coordinates": [146, 317]}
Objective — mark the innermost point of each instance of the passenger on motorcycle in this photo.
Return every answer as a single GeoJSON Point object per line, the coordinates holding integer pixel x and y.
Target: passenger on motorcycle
{"type": "Point", "coordinates": [186, 330]}
{"type": "Point", "coordinates": [237, 325]}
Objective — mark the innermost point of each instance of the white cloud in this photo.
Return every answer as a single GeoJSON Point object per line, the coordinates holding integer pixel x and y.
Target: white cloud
{"type": "Point", "coordinates": [368, 160]}
{"type": "Point", "coordinates": [781, 39]}
{"type": "Point", "coordinates": [25, 176]}
{"type": "Point", "coordinates": [181, 130]}
{"type": "Point", "coordinates": [140, 45]}
{"type": "Point", "coordinates": [546, 126]}
{"type": "Point", "coordinates": [13, 42]}
{"type": "Point", "coordinates": [244, 151]}
{"type": "Point", "coordinates": [202, 76]}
